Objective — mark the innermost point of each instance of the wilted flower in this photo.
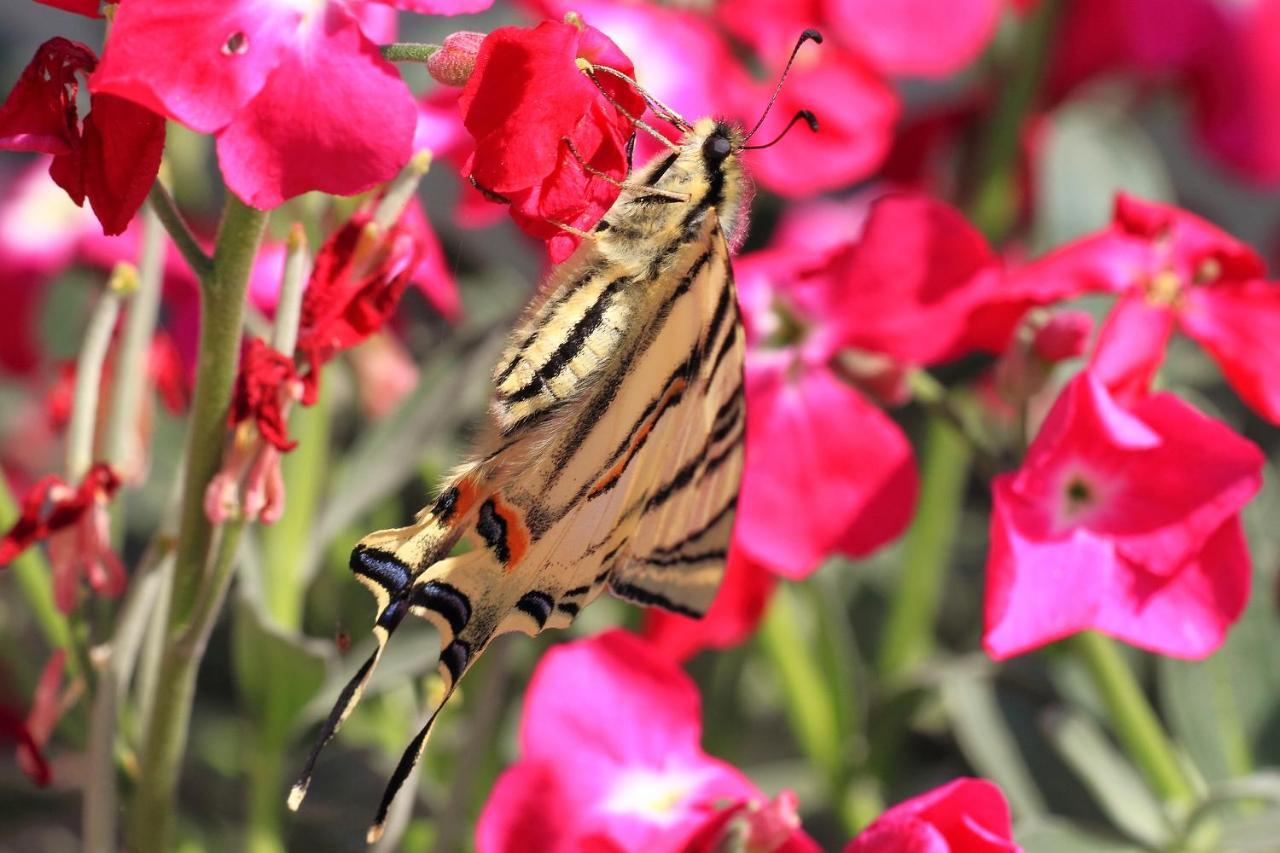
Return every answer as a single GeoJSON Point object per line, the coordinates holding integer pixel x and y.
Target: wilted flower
{"type": "Point", "coordinates": [75, 525]}
{"type": "Point", "coordinates": [32, 732]}
{"type": "Point", "coordinates": [265, 384]}
{"type": "Point", "coordinates": [111, 157]}
{"type": "Point", "coordinates": [1122, 521]}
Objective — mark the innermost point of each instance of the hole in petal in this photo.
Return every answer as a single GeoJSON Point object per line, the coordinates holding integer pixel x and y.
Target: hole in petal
{"type": "Point", "coordinates": [236, 44]}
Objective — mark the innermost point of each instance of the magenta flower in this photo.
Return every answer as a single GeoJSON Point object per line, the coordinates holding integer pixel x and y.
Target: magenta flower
{"type": "Point", "coordinates": [965, 816]}
{"type": "Point", "coordinates": [610, 760]}
{"type": "Point", "coordinates": [1121, 521]}
{"type": "Point", "coordinates": [1172, 268]}
{"type": "Point", "coordinates": [297, 95]}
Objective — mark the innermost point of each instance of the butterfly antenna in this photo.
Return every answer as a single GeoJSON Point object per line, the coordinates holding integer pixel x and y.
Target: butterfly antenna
{"type": "Point", "coordinates": [808, 35]}
{"type": "Point", "coordinates": [809, 119]}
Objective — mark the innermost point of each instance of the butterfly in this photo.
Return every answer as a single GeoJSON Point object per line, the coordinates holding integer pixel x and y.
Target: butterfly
{"type": "Point", "coordinates": [612, 452]}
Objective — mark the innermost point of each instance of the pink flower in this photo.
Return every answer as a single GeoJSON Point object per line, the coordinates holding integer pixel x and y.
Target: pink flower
{"type": "Point", "coordinates": [529, 107]}
{"type": "Point", "coordinates": [75, 525]}
{"type": "Point", "coordinates": [1172, 268]}
{"type": "Point", "coordinates": [924, 38]}
{"type": "Point", "coordinates": [1224, 56]}
{"type": "Point", "coordinates": [610, 760]}
{"type": "Point", "coordinates": [1135, 513]}
{"type": "Point", "coordinates": [965, 816]}
{"type": "Point", "coordinates": [297, 95]}
{"type": "Point", "coordinates": [88, 8]}
{"type": "Point", "coordinates": [111, 158]}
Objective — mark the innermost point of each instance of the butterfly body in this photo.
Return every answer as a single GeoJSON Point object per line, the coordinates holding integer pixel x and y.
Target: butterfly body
{"type": "Point", "coordinates": [612, 450]}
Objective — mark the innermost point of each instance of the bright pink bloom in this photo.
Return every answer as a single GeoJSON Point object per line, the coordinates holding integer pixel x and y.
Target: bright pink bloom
{"type": "Point", "coordinates": [964, 816]}
{"type": "Point", "coordinates": [297, 95]}
{"type": "Point", "coordinates": [610, 760]}
{"type": "Point", "coordinates": [1224, 56]}
{"type": "Point", "coordinates": [75, 524]}
{"type": "Point", "coordinates": [926, 38]}
{"type": "Point", "coordinates": [265, 384]}
{"type": "Point", "coordinates": [1135, 513]}
{"type": "Point", "coordinates": [454, 62]}
{"type": "Point", "coordinates": [529, 107]}
{"type": "Point", "coordinates": [111, 158]}
{"type": "Point", "coordinates": [359, 275]}
{"type": "Point", "coordinates": [1172, 267]}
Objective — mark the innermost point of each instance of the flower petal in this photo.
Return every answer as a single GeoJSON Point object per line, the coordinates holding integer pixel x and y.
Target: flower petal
{"type": "Point", "coordinates": [818, 457]}
{"type": "Point", "coordinates": [928, 38]}
{"type": "Point", "coordinates": [333, 116]}
{"type": "Point", "coordinates": [1239, 324]}
{"type": "Point", "coordinates": [1131, 347]}
{"type": "Point", "coordinates": [744, 593]}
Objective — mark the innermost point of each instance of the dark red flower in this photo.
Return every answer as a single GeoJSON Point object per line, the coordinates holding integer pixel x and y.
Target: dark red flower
{"type": "Point", "coordinates": [1136, 512]}
{"type": "Point", "coordinates": [528, 95]}
{"type": "Point", "coordinates": [111, 159]}
{"type": "Point", "coordinates": [266, 381]}
{"type": "Point", "coordinates": [33, 732]}
{"type": "Point", "coordinates": [359, 275]}
{"type": "Point", "coordinates": [88, 8]}
{"type": "Point", "coordinates": [964, 816]}
{"type": "Point", "coordinates": [74, 523]}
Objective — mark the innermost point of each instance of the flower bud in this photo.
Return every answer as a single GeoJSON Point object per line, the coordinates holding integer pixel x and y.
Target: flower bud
{"type": "Point", "coordinates": [1064, 335]}
{"type": "Point", "coordinates": [453, 63]}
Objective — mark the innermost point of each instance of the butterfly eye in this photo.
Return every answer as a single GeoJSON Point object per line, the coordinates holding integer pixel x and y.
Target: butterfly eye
{"type": "Point", "coordinates": [718, 147]}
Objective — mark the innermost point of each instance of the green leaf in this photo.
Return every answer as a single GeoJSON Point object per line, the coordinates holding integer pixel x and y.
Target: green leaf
{"type": "Point", "coordinates": [277, 673]}
{"type": "Point", "coordinates": [1116, 786]}
{"type": "Point", "coordinates": [987, 741]}
{"type": "Point", "coordinates": [1055, 835]}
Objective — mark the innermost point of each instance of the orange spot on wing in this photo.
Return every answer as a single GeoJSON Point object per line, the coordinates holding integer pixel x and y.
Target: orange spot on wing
{"type": "Point", "coordinates": [468, 497]}
{"type": "Point", "coordinates": [517, 532]}
{"type": "Point", "coordinates": [613, 474]}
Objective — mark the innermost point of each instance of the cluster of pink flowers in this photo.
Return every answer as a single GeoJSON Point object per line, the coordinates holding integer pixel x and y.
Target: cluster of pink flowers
{"type": "Point", "coordinates": [1126, 495]}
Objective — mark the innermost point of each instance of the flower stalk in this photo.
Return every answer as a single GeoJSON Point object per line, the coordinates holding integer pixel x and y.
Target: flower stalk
{"type": "Point", "coordinates": [408, 51]}
{"type": "Point", "coordinates": [1133, 719]}
{"type": "Point", "coordinates": [190, 614]}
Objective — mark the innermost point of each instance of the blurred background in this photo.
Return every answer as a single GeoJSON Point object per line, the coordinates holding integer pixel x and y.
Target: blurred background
{"type": "Point", "coordinates": [296, 624]}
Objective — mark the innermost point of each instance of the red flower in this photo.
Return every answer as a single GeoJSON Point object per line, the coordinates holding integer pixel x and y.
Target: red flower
{"type": "Point", "coordinates": [732, 618]}
{"type": "Point", "coordinates": [266, 381]}
{"type": "Point", "coordinates": [33, 732]}
{"type": "Point", "coordinates": [610, 760]}
{"type": "Point", "coordinates": [297, 95]}
{"type": "Point", "coordinates": [1172, 267]}
{"type": "Point", "coordinates": [965, 816]}
{"type": "Point", "coordinates": [75, 524]}
{"type": "Point", "coordinates": [359, 275]}
{"type": "Point", "coordinates": [926, 38]}
{"type": "Point", "coordinates": [1136, 513]}
{"type": "Point", "coordinates": [111, 159]}
{"type": "Point", "coordinates": [88, 8]}
{"type": "Point", "coordinates": [525, 98]}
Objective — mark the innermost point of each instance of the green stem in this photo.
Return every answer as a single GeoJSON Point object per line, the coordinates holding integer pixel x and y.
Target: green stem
{"type": "Point", "coordinates": [191, 613]}
{"type": "Point", "coordinates": [93, 354]}
{"type": "Point", "coordinates": [908, 637]}
{"type": "Point", "coordinates": [408, 51]}
{"type": "Point", "coordinates": [993, 203]}
{"type": "Point", "coordinates": [131, 375]}
{"type": "Point", "coordinates": [809, 706]}
{"type": "Point", "coordinates": [1133, 719]}
{"type": "Point", "coordinates": [188, 246]}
